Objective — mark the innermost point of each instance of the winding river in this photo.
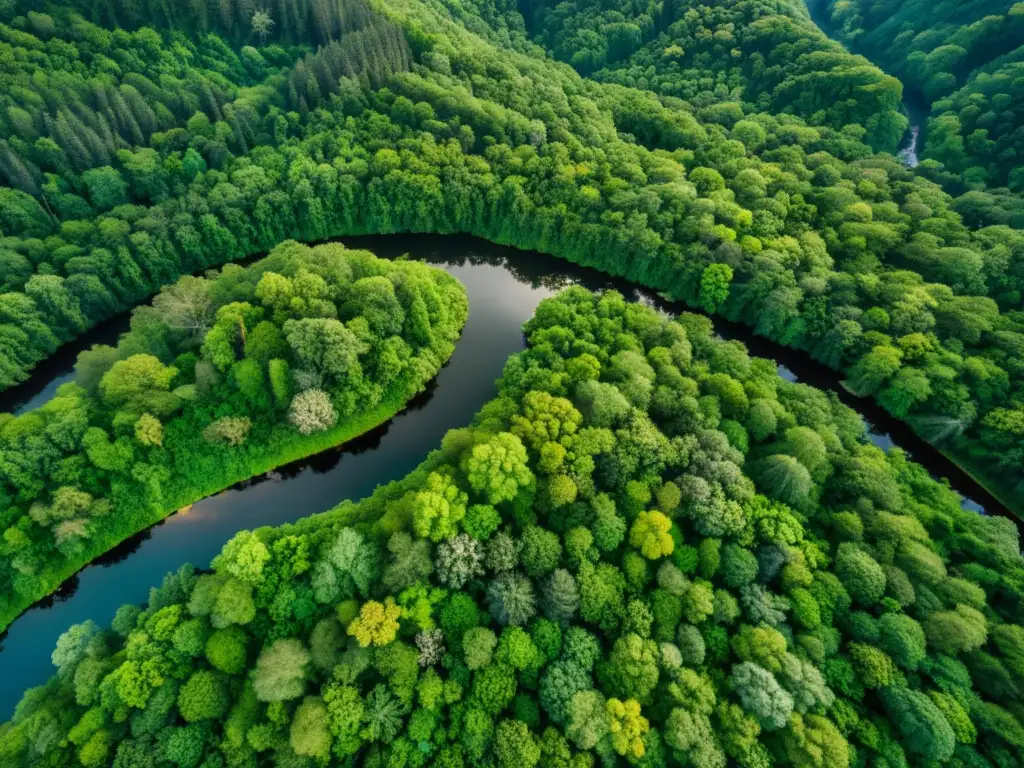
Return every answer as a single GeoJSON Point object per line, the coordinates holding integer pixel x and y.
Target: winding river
{"type": "Point", "coordinates": [504, 287]}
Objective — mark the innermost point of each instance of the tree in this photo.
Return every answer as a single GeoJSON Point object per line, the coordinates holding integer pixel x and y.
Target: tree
{"type": "Point", "coordinates": [382, 715]}
{"type": "Point", "coordinates": [515, 746]}
{"type": "Point", "coordinates": [186, 307]}
{"type": "Point", "coordinates": [481, 521]}
{"type": "Point", "coordinates": [312, 411]}
{"type": "Point", "coordinates": [631, 669]}
{"type": "Point", "coordinates": [862, 576]}
{"type": "Point", "coordinates": [923, 730]}
{"type": "Point", "coordinates": [138, 385]}
{"type": "Point", "coordinates": [74, 645]}
{"type": "Point", "coordinates": [874, 369]}
{"type": "Point", "coordinates": [609, 528]}
{"type": "Point", "coordinates": [183, 746]}
{"type": "Point", "coordinates": [763, 645]}
{"type": "Point", "coordinates": [786, 479]}
{"type": "Point", "coordinates": [203, 697]}
{"type": "Point", "coordinates": [517, 649]}
{"type": "Point", "coordinates": [812, 741]}
{"type": "Point", "coordinates": [560, 682]}
{"type": "Point", "coordinates": [510, 599]}
{"type": "Point", "coordinates": [310, 735]}
{"type": "Point", "coordinates": [438, 508]}
{"type": "Point", "coordinates": [691, 735]}
{"type": "Point", "coordinates": [106, 187]}
{"type": "Point", "coordinates": [243, 557]}
{"type": "Point", "coordinates": [602, 404]}
{"type": "Point", "coordinates": [650, 534]}
{"type": "Point", "coordinates": [377, 623]}
{"type": "Point", "coordinates": [805, 683]}
{"type": "Point", "coordinates": [477, 733]}
{"type": "Point", "coordinates": [149, 430]}
{"type": "Point", "coordinates": [355, 560]}
{"type": "Point", "coordinates": [874, 668]}
{"type": "Point", "coordinates": [540, 552]}
{"type": "Point", "coordinates": [626, 727]}
{"type": "Point", "coordinates": [458, 560]}
{"type": "Point", "coordinates": [262, 24]}
{"type": "Point", "coordinates": [588, 719]}
{"type": "Point", "coordinates": [714, 286]}
{"type": "Point", "coordinates": [545, 419]}
{"type": "Point", "coordinates": [345, 711]}
{"type": "Point", "coordinates": [410, 562]}
{"type": "Point", "coordinates": [327, 348]}
{"type": "Point", "coordinates": [280, 672]}
{"type": "Point", "coordinates": [279, 374]}
{"type": "Point", "coordinates": [478, 645]}
{"type": "Point", "coordinates": [560, 597]}
{"type": "Point", "coordinates": [226, 649]}
{"type": "Point", "coordinates": [430, 643]}
{"type": "Point", "coordinates": [229, 430]}
{"type": "Point", "coordinates": [903, 639]}
{"type": "Point", "coordinates": [761, 695]}
{"type": "Point", "coordinates": [498, 468]}
{"type": "Point", "coordinates": [960, 630]}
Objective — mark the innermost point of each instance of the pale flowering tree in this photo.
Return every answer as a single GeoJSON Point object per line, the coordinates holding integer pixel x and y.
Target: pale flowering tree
{"type": "Point", "coordinates": [458, 560]}
{"type": "Point", "coordinates": [312, 411]}
{"type": "Point", "coordinates": [430, 643]}
{"type": "Point", "coordinates": [228, 431]}
{"type": "Point", "coordinates": [262, 24]}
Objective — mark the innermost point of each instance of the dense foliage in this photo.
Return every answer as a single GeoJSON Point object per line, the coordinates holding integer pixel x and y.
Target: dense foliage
{"type": "Point", "coordinates": [967, 59]}
{"type": "Point", "coordinates": [222, 378]}
{"type": "Point", "coordinates": [844, 254]}
{"type": "Point", "coordinates": [740, 56]}
{"type": "Point", "coordinates": [649, 549]}
{"type": "Point", "coordinates": [97, 121]}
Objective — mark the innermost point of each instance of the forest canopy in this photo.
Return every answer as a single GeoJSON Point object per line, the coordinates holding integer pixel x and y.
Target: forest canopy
{"type": "Point", "coordinates": [411, 122]}
{"type": "Point", "coordinates": [648, 549]}
{"type": "Point", "coordinates": [967, 60]}
{"type": "Point", "coordinates": [736, 56]}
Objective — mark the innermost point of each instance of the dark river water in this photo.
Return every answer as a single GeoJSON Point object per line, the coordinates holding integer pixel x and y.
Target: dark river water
{"type": "Point", "coordinates": [504, 287]}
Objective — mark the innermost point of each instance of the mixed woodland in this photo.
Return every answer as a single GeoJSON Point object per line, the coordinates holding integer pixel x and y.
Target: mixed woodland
{"type": "Point", "coordinates": [648, 549]}
{"type": "Point", "coordinates": [761, 55]}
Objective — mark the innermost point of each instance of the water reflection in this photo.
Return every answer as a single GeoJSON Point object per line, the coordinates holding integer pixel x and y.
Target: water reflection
{"type": "Point", "coordinates": [59, 368]}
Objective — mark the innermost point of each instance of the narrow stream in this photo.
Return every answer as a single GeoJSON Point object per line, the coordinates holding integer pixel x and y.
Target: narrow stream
{"type": "Point", "coordinates": [504, 287]}
{"type": "Point", "coordinates": [915, 106]}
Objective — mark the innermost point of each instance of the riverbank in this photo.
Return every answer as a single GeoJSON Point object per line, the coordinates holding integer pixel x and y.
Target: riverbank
{"type": "Point", "coordinates": [282, 590]}
{"type": "Point", "coordinates": [628, 278]}
{"type": "Point", "coordinates": [500, 303]}
{"type": "Point", "coordinates": [301, 449]}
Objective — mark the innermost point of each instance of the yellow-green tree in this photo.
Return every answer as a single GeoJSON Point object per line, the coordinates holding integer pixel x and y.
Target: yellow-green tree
{"type": "Point", "coordinates": [650, 534]}
{"type": "Point", "coordinates": [376, 624]}
{"type": "Point", "coordinates": [627, 727]}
